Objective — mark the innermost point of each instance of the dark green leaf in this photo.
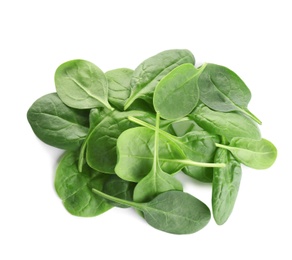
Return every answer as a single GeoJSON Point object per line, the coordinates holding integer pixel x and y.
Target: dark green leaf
{"type": "Point", "coordinates": [147, 75]}
{"type": "Point", "coordinates": [56, 124]}
{"type": "Point", "coordinates": [222, 90]}
{"type": "Point", "coordinates": [75, 188]}
{"type": "Point", "coordinates": [174, 212]}
{"type": "Point", "coordinates": [225, 185]}
{"type": "Point", "coordinates": [81, 84]}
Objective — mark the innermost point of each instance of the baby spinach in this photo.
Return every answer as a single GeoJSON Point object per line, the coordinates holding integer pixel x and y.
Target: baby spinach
{"type": "Point", "coordinates": [225, 185]}
{"type": "Point", "coordinates": [156, 181]}
{"type": "Point", "coordinates": [127, 133]}
{"type": "Point", "coordinates": [257, 154]}
{"type": "Point", "coordinates": [57, 124]}
{"type": "Point", "coordinates": [75, 188]}
{"type": "Point", "coordinates": [174, 212]}
{"type": "Point", "coordinates": [147, 75]}
{"type": "Point", "coordinates": [223, 90]}
{"type": "Point", "coordinates": [179, 84]}
{"type": "Point", "coordinates": [119, 88]}
{"type": "Point", "coordinates": [81, 84]}
{"type": "Point", "coordinates": [229, 124]}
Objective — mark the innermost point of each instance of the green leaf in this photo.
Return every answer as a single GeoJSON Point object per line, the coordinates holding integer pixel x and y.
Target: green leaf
{"type": "Point", "coordinates": [257, 154]}
{"type": "Point", "coordinates": [157, 181]}
{"type": "Point", "coordinates": [135, 148]}
{"type": "Point", "coordinates": [101, 142]}
{"type": "Point", "coordinates": [174, 212]}
{"type": "Point", "coordinates": [222, 90]}
{"type": "Point", "coordinates": [225, 185]}
{"type": "Point", "coordinates": [119, 188]}
{"type": "Point", "coordinates": [229, 124]}
{"type": "Point", "coordinates": [147, 75]}
{"type": "Point", "coordinates": [57, 124]}
{"type": "Point", "coordinates": [81, 84]}
{"type": "Point", "coordinates": [177, 94]}
{"type": "Point", "coordinates": [75, 188]}
{"type": "Point", "coordinates": [119, 88]}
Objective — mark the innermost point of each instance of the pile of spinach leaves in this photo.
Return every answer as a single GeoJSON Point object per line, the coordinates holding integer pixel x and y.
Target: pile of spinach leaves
{"type": "Point", "coordinates": [128, 132]}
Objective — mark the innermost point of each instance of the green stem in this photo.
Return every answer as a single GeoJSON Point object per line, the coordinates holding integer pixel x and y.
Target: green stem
{"type": "Point", "coordinates": [118, 200]}
{"type": "Point", "coordinates": [199, 164]}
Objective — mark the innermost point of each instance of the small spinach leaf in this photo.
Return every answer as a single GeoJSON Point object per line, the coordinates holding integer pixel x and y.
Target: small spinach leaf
{"type": "Point", "coordinates": [222, 90]}
{"type": "Point", "coordinates": [225, 185]}
{"type": "Point", "coordinates": [119, 88]}
{"type": "Point", "coordinates": [257, 154]}
{"type": "Point", "coordinates": [75, 188]}
{"type": "Point", "coordinates": [229, 124]}
{"type": "Point", "coordinates": [57, 124]}
{"type": "Point", "coordinates": [174, 212]}
{"type": "Point", "coordinates": [147, 75]}
{"type": "Point", "coordinates": [179, 85]}
{"type": "Point", "coordinates": [81, 84]}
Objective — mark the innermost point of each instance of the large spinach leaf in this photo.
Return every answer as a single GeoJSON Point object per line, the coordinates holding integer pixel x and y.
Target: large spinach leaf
{"type": "Point", "coordinates": [81, 84]}
{"type": "Point", "coordinates": [225, 185]}
{"type": "Point", "coordinates": [57, 124]}
{"type": "Point", "coordinates": [147, 75]}
{"type": "Point", "coordinates": [223, 90]}
{"type": "Point", "coordinates": [75, 188]}
{"type": "Point", "coordinates": [174, 212]}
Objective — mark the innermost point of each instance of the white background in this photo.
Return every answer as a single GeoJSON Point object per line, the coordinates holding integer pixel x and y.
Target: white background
{"type": "Point", "coordinates": [253, 38]}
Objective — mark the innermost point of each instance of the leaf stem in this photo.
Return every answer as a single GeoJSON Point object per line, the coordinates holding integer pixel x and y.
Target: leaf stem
{"type": "Point", "coordinates": [251, 115]}
{"type": "Point", "coordinates": [199, 164]}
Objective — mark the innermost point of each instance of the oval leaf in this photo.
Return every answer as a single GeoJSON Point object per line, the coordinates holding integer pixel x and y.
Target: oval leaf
{"type": "Point", "coordinates": [81, 84]}
{"type": "Point", "coordinates": [177, 94]}
{"type": "Point", "coordinates": [257, 154]}
{"type": "Point", "coordinates": [147, 75]}
{"type": "Point", "coordinates": [57, 124]}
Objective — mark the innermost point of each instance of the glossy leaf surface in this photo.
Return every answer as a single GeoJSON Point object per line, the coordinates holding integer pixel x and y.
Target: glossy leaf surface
{"type": "Point", "coordinates": [57, 124]}
{"type": "Point", "coordinates": [177, 94]}
{"type": "Point", "coordinates": [223, 90]}
{"type": "Point", "coordinates": [81, 84]}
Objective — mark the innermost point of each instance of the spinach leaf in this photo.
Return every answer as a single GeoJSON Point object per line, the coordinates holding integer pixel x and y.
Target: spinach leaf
{"type": "Point", "coordinates": [257, 154]}
{"type": "Point", "coordinates": [225, 185]}
{"type": "Point", "coordinates": [75, 188]}
{"type": "Point", "coordinates": [135, 149]}
{"type": "Point", "coordinates": [81, 84]}
{"type": "Point", "coordinates": [229, 124]}
{"type": "Point", "coordinates": [174, 212]}
{"type": "Point", "coordinates": [119, 88]}
{"type": "Point", "coordinates": [119, 188]}
{"type": "Point", "coordinates": [101, 142]}
{"type": "Point", "coordinates": [222, 90]}
{"type": "Point", "coordinates": [57, 124]}
{"type": "Point", "coordinates": [147, 75]}
{"type": "Point", "coordinates": [179, 85]}
{"type": "Point", "coordinates": [197, 151]}
{"type": "Point", "coordinates": [157, 181]}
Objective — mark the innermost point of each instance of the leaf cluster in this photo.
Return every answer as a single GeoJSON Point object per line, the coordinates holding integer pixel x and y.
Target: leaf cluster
{"type": "Point", "coordinates": [127, 133]}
